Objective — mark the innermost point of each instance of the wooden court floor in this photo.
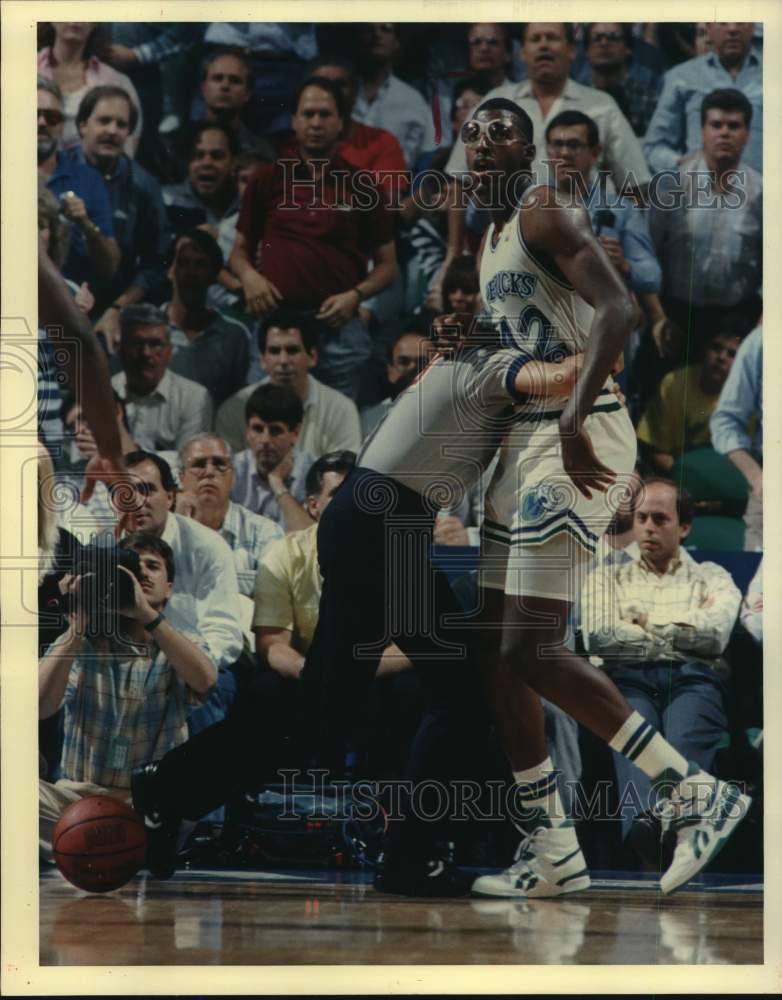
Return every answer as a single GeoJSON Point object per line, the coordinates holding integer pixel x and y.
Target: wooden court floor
{"type": "Point", "coordinates": [314, 918]}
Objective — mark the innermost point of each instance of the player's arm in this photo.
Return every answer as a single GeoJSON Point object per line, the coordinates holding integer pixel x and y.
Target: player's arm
{"type": "Point", "coordinates": [549, 378]}
{"type": "Point", "coordinates": [564, 235]}
{"type": "Point", "coordinates": [85, 366]}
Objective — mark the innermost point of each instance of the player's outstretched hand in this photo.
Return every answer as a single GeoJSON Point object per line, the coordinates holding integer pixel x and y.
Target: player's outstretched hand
{"type": "Point", "coordinates": [582, 465]}
{"type": "Point", "coordinates": [115, 476]}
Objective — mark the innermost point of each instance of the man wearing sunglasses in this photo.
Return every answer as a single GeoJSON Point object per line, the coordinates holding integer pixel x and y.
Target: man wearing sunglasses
{"type": "Point", "coordinates": [94, 253]}
{"type": "Point", "coordinates": [553, 291]}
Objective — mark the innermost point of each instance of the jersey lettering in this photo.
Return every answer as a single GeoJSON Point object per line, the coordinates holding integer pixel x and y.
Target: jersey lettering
{"type": "Point", "coordinates": [504, 283]}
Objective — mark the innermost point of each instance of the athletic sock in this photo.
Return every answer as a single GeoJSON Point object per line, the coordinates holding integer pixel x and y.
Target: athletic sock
{"type": "Point", "coordinates": [640, 742]}
{"type": "Point", "coordinates": [538, 798]}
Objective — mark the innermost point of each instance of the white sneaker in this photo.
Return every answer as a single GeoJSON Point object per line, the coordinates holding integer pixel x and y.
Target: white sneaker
{"type": "Point", "coordinates": [703, 816]}
{"type": "Point", "coordinates": [548, 862]}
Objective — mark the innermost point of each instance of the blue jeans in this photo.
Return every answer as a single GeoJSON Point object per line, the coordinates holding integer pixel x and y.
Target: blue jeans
{"type": "Point", "coordinates": [685, 703]}
{"type": "Point", "coordinates": [343, 355]}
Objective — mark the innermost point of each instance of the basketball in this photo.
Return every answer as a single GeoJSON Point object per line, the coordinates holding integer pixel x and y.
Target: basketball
{"type": "Point", "coordinates": [99, 843]}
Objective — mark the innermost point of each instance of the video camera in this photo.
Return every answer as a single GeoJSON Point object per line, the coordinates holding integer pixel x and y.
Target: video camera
{"type": "Point", "coordinates": [103, 587]}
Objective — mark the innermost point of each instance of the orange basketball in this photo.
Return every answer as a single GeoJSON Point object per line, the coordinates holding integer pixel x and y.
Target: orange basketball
{"type": "Point", "coordinates": [99, 843]}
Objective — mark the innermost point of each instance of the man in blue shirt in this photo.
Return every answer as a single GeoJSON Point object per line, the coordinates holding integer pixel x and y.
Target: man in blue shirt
{"type": "Point", "coordinates": [675, 128]}
{"type": "Point", "coordinates": [573, 147]}
{"type": "Point", "coordinates": [94, 253]}
{"type": "Point", "coordinates": [737, 429]}
{"type": "Point", "coordinates": [105, 118]}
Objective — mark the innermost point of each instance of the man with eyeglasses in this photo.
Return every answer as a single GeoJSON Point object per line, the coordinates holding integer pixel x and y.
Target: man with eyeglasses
{"type": "Point", "coordinates": [206, 474]}
{"type": "Point", "coordinates": [612, 67]}
{"type": "Point", "coordinates": [552, 291]}
{"type": "Point", "coordinates": [406, 356]}
{"type": "Point", "coordinates": [574, 150]}
{"type": "Point", "coordinates": [489, 53]}
{"type": "Point", "coordinates": [94, 253]}
{"type": "Point", "coordinates": [164, 410]}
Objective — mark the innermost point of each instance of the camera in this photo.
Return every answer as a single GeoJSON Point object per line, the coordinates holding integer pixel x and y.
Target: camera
{"type": "Point", "coordinates": [103, 587]}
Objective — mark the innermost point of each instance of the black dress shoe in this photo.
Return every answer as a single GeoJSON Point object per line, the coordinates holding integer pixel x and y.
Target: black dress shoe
{"type": "Point", "coordinates": [650, 845]}
{"type": "Point", "coordinates": [162, 828]}
{"type": "Point", "coordinates": [427, 879]}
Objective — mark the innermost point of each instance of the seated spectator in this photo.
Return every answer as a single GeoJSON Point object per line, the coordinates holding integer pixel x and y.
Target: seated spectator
{"type": "Point", "coordinates": [363, 146]}
{"type": "Point", "coordinates": [675, 128]}
{"type": "Point", "coordinates": [226, 87]}
{"type": "Point", "coordinates": [288, 343]}
{"type": "Point", "coordinates": [207, 347]}
{"type": "Point", "coordinates": [208, 193]}
{"type": "Point", "coordinates": [126, 697]}
{"type": "Point", "coordinates": [164, 410]}
{"type": "Point", "coordinates": [461, 288]}
{"type": "Point", "coordinates": [207, 477]}
{"type": "Point", "coordinates": [737, 429]}
{"type": "Point", "coordinates": [548, 51]}
{"type": "Point", "coordinates": [105, 118]}
{"type": "Point", "coordinates": [288, 253]}
{"type": "Point", "coordinates": [406, 357]}
{"type": "Point", "coordinates": [288, 586]}
{"type": "Point", "coordinates": [711, 253]}
{"type": "Point", "coordinates": [74, 54]}
{"type": "Point", "coordinates": [574, 151]}
{"type": "Point", "coordinates": [752, 606]}
{"type": "Point", "coordinates": [271, 471]}
{"type": "Point", "coordinates": [612, 67]}
{"type": "Point", "coordinates": [276, 52]}
{"type": "Point", "coordinates": [661, 623]}
{"type": "Point", "coordinates": [205, 597]}
{"type": "Point", "coordinates": [384, 100]}
{"type": "Point", "coordinates": [489, 50]}
{"type": "Point", "coordinates": [93, 252]}
{"type": "Point", "coordinates": [677, 419]}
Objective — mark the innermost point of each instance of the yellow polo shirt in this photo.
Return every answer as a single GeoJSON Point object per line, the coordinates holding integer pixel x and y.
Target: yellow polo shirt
{"type": "Point", "coordinates": [288, 585]}
{"type": "Point", "coordinates": [677, 419]}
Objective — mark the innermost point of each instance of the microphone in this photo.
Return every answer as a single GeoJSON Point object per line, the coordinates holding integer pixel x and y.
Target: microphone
{"type": "Point", "coordinates": [604, 219]}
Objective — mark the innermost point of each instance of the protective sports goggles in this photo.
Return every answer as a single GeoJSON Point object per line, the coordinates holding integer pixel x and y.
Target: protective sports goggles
{"type": "Point", "coordinates": [499, 132]}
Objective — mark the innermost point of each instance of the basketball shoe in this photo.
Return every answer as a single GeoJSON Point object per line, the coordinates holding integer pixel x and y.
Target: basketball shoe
{"type": "Point", "coordinates": [548, 862]}
{"type": "Point", "coordinates": [703, 812]}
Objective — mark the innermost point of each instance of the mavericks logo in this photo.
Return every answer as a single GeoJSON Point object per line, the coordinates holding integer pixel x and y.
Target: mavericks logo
{"type": "Point", "coordinates": [540, 500]}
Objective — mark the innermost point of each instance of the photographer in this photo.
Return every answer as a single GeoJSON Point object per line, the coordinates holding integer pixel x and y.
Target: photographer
{"type": "Point", "coordinates": [127, 683]}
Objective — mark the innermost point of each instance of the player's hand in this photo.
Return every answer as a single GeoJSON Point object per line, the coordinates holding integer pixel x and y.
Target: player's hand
{"type": "Point", "coordinates": [117, 479]}
{"type": "Point", "coordinates": [618, 393]}
{"type": "Point", "coordinates": [449, 530]}
{"type": "Point", "coordinates": [186, 503]}
{"type": "Point", "coordinates": [336, 310]}
{"type": "Point", "coordinates": [450, 330]}
{"type": "Point", "coordinates": [582, 465]}
{"type": "Point", "coordinates": [108, 325]}
{"type": "Point", "coordinates": [261, 296]}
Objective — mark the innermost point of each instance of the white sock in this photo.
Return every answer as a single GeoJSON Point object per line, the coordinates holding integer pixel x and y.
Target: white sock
{"type": "Point", "coordinates": [640, 742]}
{"type": "Point", "coordinates": [537, 790]}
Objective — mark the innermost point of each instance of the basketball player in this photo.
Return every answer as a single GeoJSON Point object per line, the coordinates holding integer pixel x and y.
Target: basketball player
{"type": "Point", "coordinates": [553, 292]}
{"type": "Point", "coordinates": [378, 584]}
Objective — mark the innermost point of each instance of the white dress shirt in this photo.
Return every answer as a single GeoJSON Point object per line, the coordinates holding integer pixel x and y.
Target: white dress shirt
{"type": "Point", "coordinates": [622, 153]}
{"type": "Point", "coordinates": [205, 599]}
{"type": "Point", "coordinates": [163, 420]}
{"type": "Point", "coordinates": [401, 110]}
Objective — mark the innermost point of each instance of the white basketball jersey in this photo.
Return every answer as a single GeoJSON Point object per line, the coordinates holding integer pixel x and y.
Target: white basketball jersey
{"type": "Point", "coordinates": [536, 311]}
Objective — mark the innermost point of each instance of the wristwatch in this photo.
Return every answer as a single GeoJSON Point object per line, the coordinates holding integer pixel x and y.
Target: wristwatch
{"type": "Point", "coordinates": [151, 626]}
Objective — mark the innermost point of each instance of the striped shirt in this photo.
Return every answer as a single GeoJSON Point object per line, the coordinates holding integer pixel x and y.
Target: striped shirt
{"type": "Point", "coordinates": [691, 610]}
{"type": "Point", "coordinates": [122, 710]}
{"type": "Point", "coordinates": [248, 536]}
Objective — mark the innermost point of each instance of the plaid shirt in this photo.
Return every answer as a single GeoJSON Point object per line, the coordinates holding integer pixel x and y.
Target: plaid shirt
{"type": "Point", "coordinates": [121, 710]}
{"type": "Point", "coordinates": [691, 611]}
{"type": "Point", "coordinates": [636, 95]}
{"type": "Point", "coordinates": [248, 535]}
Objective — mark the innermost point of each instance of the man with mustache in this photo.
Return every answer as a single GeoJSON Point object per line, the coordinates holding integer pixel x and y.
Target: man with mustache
{"type": "Point", "coordinates": [105, 119]}
{"type": "Point", "coordinates": [94, 252]}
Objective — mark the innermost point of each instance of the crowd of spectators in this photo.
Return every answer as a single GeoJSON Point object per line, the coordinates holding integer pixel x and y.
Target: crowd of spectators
{"type": "Point", "coordinates": [260, 313]}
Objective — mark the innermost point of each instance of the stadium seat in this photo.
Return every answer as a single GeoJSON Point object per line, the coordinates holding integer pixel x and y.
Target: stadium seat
{"type": "Point", "coordinates": [707, 475]}
{"type": "Point", "coordinates": [725, 533]}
